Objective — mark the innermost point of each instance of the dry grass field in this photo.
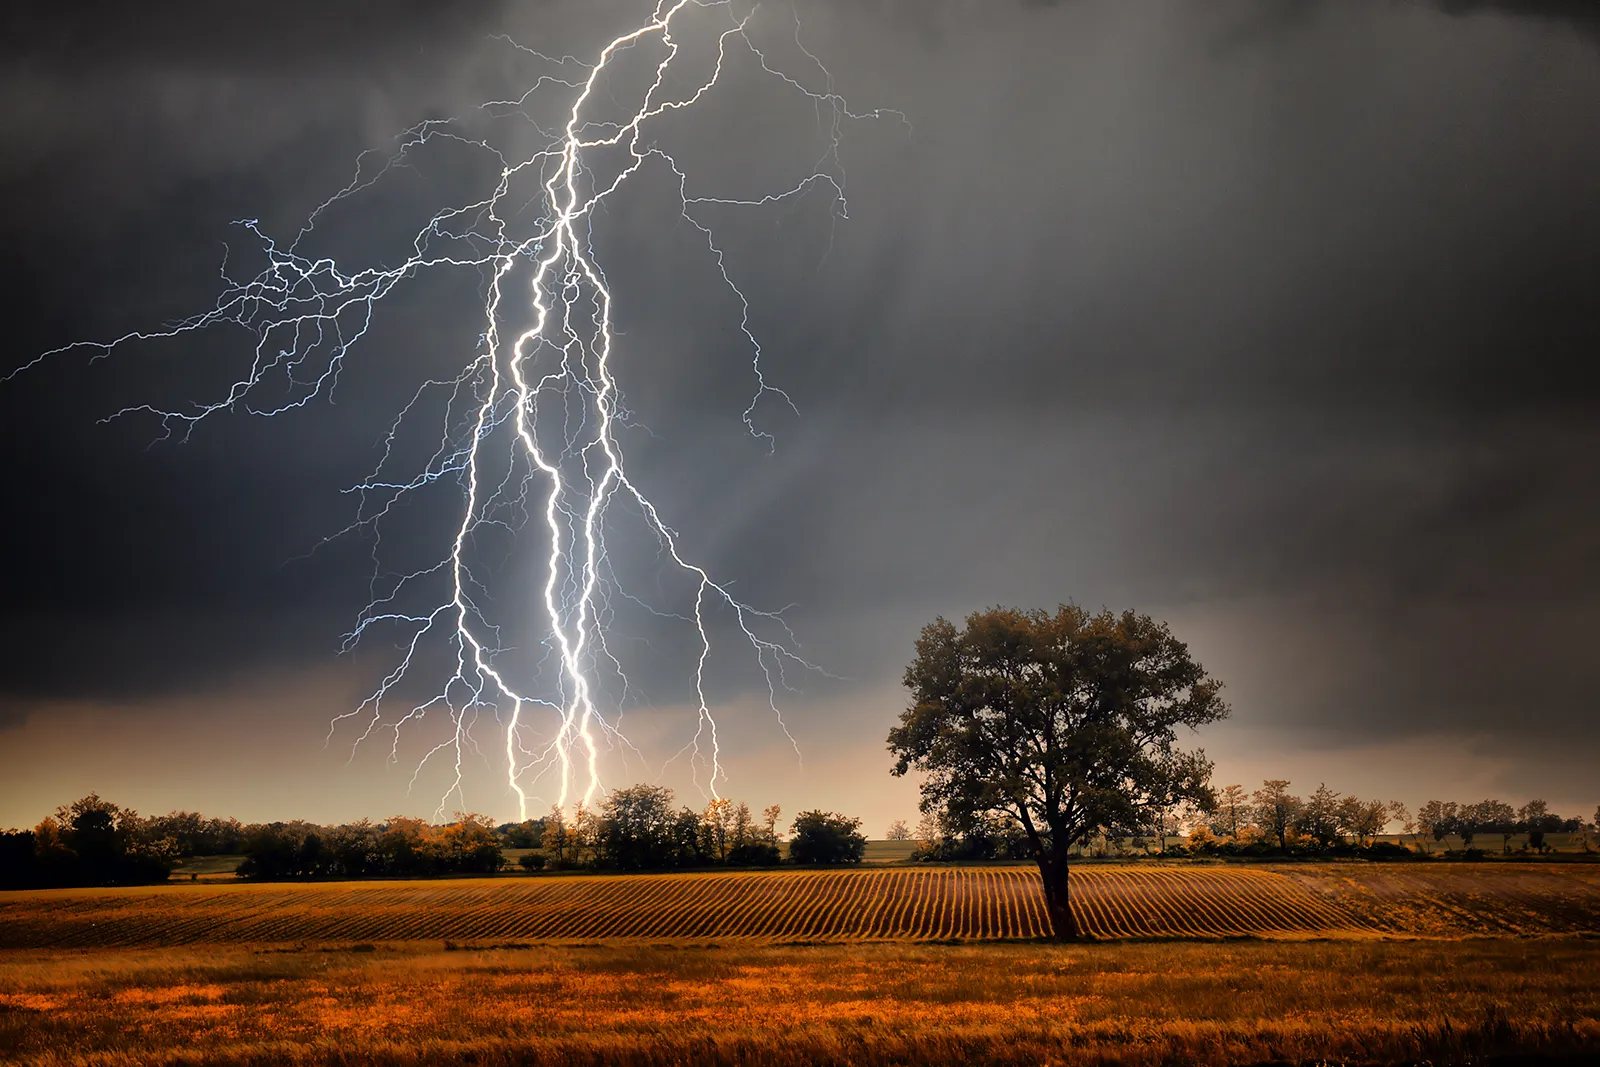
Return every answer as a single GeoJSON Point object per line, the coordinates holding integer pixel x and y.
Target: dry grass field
{"type": "Point", "coordinates": [1206, 965]}
{"type": "Point", "coordinates": [1130, 1004]}
{"type": "Point", "coordinates": [919, 904]}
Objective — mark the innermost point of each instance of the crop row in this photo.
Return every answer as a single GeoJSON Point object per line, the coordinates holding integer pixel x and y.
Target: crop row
{"type": "Point", "coordinates": [926, 904]}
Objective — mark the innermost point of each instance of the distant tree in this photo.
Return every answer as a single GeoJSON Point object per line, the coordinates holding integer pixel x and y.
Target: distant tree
{"type": "Point", "coordinates": [583, 833]}
{"type": "Point", "coordinates": [1160, 819]}
{"type": "Point", "coordinates": [189, 833]}
{"type": "Point", "coordinates": [95, 842]}
{"type": "Point", "coordinates": [1486, 817]}
{"type": "Point", "coordinates": [929, 836]}
{"type": "Point", "coordinates": [1276, 810]}
{"type": "Point", "coordinates": [1531, 818]}
{"type": "Point", "coordinates": [184, 832]}
{"type": "Point", "coordinates": [754, 845]}
{"type": "Point", "coordinates": [353, 850]}
{"type": "Point", "coordinates": [1191, 818]}
{"type": "Point", "coordinates": [311, 857]}
{"type": "Point", "coordinates": [1400, 813]}
{"type": "Point", "coordinates": [404, 843]}
{"type": "Point", "coordinates": [1232, 811]}
{"type": "Point", "coordinates": [990, 837]}
{"type": "Point", "coordinates": [769, 818]}
{"type": "Point", "coordinates": [531, 861]}
{"type": "Point", "coordinates": [1319, 817]}
{"type": "Point", "coordinates": [275, 850]}
{"type": "Point", "coordinates": [716, 825]}
{"type": "Point", "coordinates": [1065, 722]}
{"type": "Point", "coordinates": [57, 865]}
{"type": "Point", "coordinates": [688, 840]}
{"type": "Point", "coordinates": [826, 837]}
{"type": "Point", "coordinates": [1467, 821]}
{"type": "Point", "coordinates": [1437, 819]}
{"type": "Point", "coordinates": [636, 829]}
{"type": "Point", "coordinates": [554, 835]}
{"type": "Point", "coordinates": [1362, 820]}
{"type": "Point", "coordinates": [469, 845]}
{"type": "Point", "coordinates": [743, 829]}
{"type": "Point", "coordinates": [1537, 820]}
{"type": "Point", "coordinates": [899, 831]}
{"type": "Point", "coordinates": [1501, 818]}
{"type": "Point", "coordinates": [524, 834]}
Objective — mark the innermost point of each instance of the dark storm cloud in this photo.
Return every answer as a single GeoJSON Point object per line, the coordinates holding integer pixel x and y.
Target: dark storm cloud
{"type": "Point", "coordinates": [1170, 306]}
{"type": "Point", "coordinates": [1577, 13]}
{"type": "Point", "coordinates": [273, 36]}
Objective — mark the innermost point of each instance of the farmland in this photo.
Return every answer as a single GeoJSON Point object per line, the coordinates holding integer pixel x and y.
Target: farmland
{"type": "Point", "coordinates": [1127, 1004]}
{"type": "Point", "coordinates": [1210, 965]}
{"type": "Point", "coordinates": [896, 904]}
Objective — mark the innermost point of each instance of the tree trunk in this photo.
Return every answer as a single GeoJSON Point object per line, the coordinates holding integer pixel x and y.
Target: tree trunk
{"type": "Point", "coordinates": [1057, 903]}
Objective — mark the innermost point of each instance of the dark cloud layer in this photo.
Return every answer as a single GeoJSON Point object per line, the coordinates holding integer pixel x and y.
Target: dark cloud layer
{"type": "Point", "coordinates": [1181, 306]}
{"type": "Point", "coordinates": [274, 37]}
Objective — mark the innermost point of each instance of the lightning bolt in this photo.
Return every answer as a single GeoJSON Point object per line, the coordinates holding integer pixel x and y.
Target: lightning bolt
{"type": "Point", "coordinates": [529, 426]}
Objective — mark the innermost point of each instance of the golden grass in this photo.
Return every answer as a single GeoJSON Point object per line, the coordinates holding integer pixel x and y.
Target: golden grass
{"type": "Point", "coordinates": [1205, 1003]}
{"type": "Point", "coordinates": [1143, 901]}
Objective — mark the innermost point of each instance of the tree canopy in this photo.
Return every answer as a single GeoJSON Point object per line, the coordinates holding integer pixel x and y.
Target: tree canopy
{"type": "Point", "coordinates": [826, 837]}
{"type": "Point", "coordinates": [1066, 721]}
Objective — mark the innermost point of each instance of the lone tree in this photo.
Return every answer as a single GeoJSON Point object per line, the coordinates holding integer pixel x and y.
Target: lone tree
{"type": "Point", "coordinates": [826, 837]}
{"type": "Point", "coordinates": [1066, 722]}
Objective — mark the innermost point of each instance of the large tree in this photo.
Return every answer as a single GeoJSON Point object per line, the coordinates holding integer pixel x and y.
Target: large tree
{"type": "Point", "coordinates": [1067, 722]}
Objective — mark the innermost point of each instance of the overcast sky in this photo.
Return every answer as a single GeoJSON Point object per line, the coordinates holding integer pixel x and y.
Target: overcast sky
{"type": "Point", "coordinates": [1273, 319]}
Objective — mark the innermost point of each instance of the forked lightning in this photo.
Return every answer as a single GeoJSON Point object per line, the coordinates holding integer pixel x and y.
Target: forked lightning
{"type": "Point", "coordinates": [530, 423]}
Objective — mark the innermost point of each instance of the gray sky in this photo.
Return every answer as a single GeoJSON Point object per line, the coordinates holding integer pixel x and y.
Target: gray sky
{"type": "Point", "coordinates": [1266, 318]}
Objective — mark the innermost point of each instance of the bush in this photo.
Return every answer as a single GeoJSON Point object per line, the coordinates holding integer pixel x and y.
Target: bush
{"type": "Point", "coordinates": [826, 837]}
{"type": "Point", "coordinates": [532, 861]}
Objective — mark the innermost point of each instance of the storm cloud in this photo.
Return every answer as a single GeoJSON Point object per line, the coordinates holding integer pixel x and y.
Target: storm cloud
{"type": "Point", "coordinates": [1271, 318]}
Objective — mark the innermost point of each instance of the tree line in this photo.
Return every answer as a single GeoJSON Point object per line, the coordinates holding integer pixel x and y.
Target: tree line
{"type": "Point", "coordinates": [96, 842]}
{"type": "Point", "coordinates": [88, 842]}
{"type": "Point", "coordinates": [1271, 821]}
{"type": "Point", "coordinates": [639, 828]}
{"type": "Point", "coordinates": [1442, 819]}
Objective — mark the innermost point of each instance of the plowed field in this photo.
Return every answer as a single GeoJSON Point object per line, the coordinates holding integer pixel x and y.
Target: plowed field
{"type": "Point", "coordinates": [855, 905]}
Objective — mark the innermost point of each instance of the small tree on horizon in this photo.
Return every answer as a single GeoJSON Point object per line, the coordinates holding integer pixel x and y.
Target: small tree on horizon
{"type": "Point", "coordinates": [826, 837]}
{"type": "Point", "coordinates": [1437, 819]}
{"type": "Point", "coordinates": [1319, 817]}
{"type": "Point", "coordinates": [1232, 809]}
{"type": "Point", "coordinates": [1398, 812]}
{"type": "Point", "coordinates": [1065, 722]}
{"type": "Point", "coordinates": [1276, 810]}
{"type": "Point", "coordinates": [1363, 820]}
{"type": "Point", "coordinates": [898, 831]}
